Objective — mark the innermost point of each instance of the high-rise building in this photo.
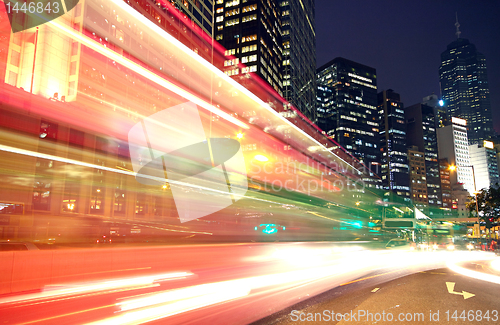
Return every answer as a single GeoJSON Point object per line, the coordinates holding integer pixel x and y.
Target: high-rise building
{"type": "Point", "coordinates": [347, 108]}
{"type": "Point", "coordinates": [464, 87]}
{"type": "Point", "coordinates": [484, 159]}
{"type": "Point", "coordinates": [418, 181]}
{"type": "Point", "coordinates": [251, 33]}
{"type": "Point", "coordinates": [421, 128]}
{"type": "Point", "coordinates": [453, 146]}
{"type": "Point", "coordinates": [444, 174]}
{"type": "Point", "coordinates": [394, 160]}
{"type": "Point", "coordinates": [299, 55]}
{"type": "Point", "coordinates": [199, 11]}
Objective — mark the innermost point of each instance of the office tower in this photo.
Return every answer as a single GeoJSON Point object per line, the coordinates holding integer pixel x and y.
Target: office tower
{"type": "Point", "coordinates": [421, 132]}
{"type": "Point", "coordinates": [347, 108]}
{"type": "Point", "coordinates": [299, 55]}
{"type": "Point", "coordinates": [453, 145]}
{"type": "Point", "coordinates": [199, 11]}
{"type": "Point", "coordinates": [464, 87]}
{"type": "Point", "coordinates": [394, 160]}
{"type": "Point", "coordinates": [484, 159]}
{"type": "Point", "coordinates": [418, 181]}
{"type": "Point", "coordinates": [251, 33]}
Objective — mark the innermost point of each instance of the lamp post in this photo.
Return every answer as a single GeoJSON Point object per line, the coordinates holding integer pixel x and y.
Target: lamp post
{"type": "Point", "coordinates": [453, 168]}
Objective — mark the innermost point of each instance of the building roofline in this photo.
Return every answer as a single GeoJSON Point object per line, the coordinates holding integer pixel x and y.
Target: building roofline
{"type": "Point", "coordinates": [341, 59]}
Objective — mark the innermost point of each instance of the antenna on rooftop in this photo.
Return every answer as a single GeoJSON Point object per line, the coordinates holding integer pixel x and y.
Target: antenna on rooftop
{"type": "Point", "coordinates": [457, 25]}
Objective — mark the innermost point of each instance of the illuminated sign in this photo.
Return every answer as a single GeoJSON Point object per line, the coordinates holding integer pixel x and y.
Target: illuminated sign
{"type": "Point", "coordinates": [488, 144]}
{"type": "Point", "coordinates": [459, 121]}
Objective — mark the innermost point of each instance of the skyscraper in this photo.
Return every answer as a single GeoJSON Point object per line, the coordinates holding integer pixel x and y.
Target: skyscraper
{"type": "Point", "coordinates": [421, 128]}
{"type": "Point", "coordinates": [394, 162]}
{"type": "Point", "coordinates": [347, 108]}
{"type": "Point", "coordinates": [299, 55]}
{"type": "Point", "coordinates": [464, 87]}
{"type": "Point", "coordinates": [251, 33]}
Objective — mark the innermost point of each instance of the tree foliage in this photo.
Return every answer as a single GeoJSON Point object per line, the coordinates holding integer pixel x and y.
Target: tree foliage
{"type": "Point", "coordinates": [488, 201]}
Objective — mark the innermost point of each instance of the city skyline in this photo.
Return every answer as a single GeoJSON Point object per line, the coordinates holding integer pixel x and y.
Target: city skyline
{"type": "Point", "coordinates": [412, 36]}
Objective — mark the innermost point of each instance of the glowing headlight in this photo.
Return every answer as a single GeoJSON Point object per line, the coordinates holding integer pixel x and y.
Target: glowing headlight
{"type": "Point", "coordinates": [470, 246]}
{"type": "Point", "coordinates": [435, 246]}
{"type": "Point", "coordinates": [451, 247]}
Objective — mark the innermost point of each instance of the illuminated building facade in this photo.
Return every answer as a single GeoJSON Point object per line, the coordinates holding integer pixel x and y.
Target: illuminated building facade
{"type": "Point", "coordinates": [484, 159]}
{"type": "Point", "coordinates": [394, 161]}
{"type": "Point", "coordinates": [299, 55]}
{"type": "Point", "coordinates": [464, 88]}
{"type": "Point", "coordinates": [250, 31]}
{"type": "Point", "coordinates": [453, 146]}
{"type": "Point", "coordinates": [347, 108]}
{"type": "Point", "coordinates": [421, 128]}
{"type": "Point", "coordinates": [418, 182]}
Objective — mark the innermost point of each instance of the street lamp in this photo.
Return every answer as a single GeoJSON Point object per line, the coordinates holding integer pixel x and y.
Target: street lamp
{"type": "Point", "coordinates": [453, 168]}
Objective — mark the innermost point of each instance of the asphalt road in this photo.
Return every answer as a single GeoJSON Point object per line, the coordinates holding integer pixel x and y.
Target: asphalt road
{"type": "Point", "coordinates": [420, 298]}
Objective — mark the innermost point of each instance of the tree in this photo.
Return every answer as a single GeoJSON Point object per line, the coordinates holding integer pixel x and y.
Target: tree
{"type": "Point", "coordinates": [488, 201]}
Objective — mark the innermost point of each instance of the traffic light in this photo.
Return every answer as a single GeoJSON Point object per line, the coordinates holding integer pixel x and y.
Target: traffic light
{"type": "Point", "coordinates": [489, 221]}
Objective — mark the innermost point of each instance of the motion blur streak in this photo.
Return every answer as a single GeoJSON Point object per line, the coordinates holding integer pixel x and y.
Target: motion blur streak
{"type": "Point", "coordinates": [335, 264]}
{"type": "Point", "coordinates": [77, 289]}
{"type": "Point", "coordinates": [474, 274]}
{"type": "Point", "coordinates": [146, 73]}
{"type": "Point", "coordinates": [125, 172]}
{"type": "Point", "coordinates": [496, 264]}
{"type": "Point", "coordinates": [218, 294]}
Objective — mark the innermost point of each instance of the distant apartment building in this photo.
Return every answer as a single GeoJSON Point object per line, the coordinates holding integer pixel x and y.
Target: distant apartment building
{"type": "Point", "coordinates": [421, 128]}
{"type": "Point", "coordinates": [418, 182]}
{"type": "Point", "coordinates": [444, 174]}
{"type": "Point", "coordinates": [460, 196]}
{"type": "Point", "coordinates": [394, 159]}
{"type": "Point", "coordinates": [484, 159]}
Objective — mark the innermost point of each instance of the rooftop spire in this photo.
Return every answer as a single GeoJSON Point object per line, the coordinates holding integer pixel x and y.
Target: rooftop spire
{"type": "Point", "coordinates": [457, 25]}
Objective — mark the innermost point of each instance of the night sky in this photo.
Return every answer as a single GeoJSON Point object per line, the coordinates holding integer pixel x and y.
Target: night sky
{"type": "Point", "coordinates": [404, 39]}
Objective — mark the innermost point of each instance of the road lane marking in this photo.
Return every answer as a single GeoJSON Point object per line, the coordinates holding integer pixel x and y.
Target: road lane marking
{"type": "Point", "coordinates": [375, 290]}
{"type": "Point", "coordinates": [368, 277]}
{"type": "Point", "coordinates": [451, 287]}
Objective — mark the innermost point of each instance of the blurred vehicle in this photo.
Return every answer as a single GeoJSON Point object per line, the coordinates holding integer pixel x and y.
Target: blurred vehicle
{"type": "Point", "coordinates": [103, 240]}
{"type": "Point", "coordinates": [443, 246]}
{"type": "Point", "coordinates": [399, 243]}
{"type": "Point", "coordinates": [423, 246]}
{"type": "Point", "coordinates": [17, 246]}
